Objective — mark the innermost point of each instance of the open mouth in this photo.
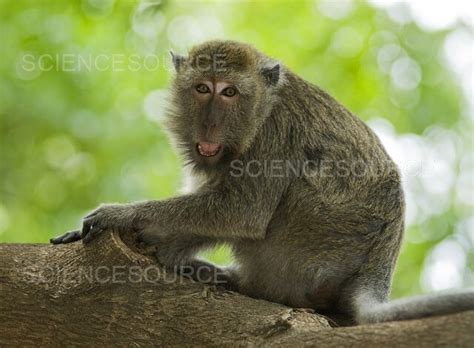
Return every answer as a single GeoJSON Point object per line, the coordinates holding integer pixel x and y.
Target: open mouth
{"type": "Point", "coordinates": [208, 149]}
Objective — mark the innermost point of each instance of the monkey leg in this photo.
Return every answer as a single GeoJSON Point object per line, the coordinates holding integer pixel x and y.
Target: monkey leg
{"type": "Point", "coordinates": [366, 296]}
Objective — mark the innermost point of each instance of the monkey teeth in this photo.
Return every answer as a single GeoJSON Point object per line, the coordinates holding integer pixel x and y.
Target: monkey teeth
{"type": "Point", "coordinates": [208, 149]}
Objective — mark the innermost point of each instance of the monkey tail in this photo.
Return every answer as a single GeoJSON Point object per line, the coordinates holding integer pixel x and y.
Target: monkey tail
{"type": "Point", "coordinates": [369, 310]}
{"type": "Point", "coordinates": [368, 295]}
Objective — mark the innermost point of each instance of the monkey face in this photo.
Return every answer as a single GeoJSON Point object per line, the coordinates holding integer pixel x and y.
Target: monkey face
{"type": "Point", "coordinates": [218, 113]}
{"type": "Point", "coordinates": [220, 98]}
{"type": "Point", "coordinates": [215, 104]}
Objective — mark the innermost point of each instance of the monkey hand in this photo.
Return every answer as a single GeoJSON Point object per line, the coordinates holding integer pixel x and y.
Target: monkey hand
{"type": "Point", "coordinates": [118, 217]}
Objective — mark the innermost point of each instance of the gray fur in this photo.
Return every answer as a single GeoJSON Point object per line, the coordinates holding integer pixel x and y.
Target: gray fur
{"type": "Point", "coordinates": [322, 238]}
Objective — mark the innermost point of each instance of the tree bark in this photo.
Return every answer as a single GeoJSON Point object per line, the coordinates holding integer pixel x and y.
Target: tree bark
{"type": "Point", "coordinates": [110, 293]}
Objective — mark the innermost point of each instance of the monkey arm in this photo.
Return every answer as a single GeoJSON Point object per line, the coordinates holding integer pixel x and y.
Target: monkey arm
{"type": "Point", "coordinates": [241, 207]}
{"type": "Point", "coordinates": [235, 211]}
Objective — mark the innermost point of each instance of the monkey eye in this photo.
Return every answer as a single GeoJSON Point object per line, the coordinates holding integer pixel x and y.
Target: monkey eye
{"type": "Point", "coordinates": [229, 92]}
{"type": "Point", "coordinates": [202, 88]}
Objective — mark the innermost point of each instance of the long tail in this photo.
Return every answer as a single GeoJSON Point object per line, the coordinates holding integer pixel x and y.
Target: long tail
{"type": "Point", "coordinates": [369, 310]}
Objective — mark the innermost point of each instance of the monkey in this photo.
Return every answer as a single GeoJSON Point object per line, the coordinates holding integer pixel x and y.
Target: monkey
{"type": "Point", "coordinates": [300, 188]}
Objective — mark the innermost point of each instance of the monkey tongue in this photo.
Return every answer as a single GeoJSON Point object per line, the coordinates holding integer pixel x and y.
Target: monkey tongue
{"type": "Point", "coordinates": [208, 149]}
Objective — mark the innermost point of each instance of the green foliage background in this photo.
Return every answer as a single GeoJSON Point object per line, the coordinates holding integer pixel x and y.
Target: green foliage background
{"type": "Point", "coordinates": [70, 140]}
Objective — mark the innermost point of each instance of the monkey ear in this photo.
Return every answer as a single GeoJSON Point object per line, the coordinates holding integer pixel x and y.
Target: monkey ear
{"type": "Point", "coordinates": [271, 74]}
{"type": "Point", "coordinates": [177, 60]}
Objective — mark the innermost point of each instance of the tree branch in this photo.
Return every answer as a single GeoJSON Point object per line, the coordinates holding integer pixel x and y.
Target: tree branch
{"type": "Point", "coordinates": [109, 293]}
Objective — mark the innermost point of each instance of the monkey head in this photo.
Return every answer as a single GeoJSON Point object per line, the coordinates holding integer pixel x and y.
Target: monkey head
{"type": "Point", "coordinates": [222, 93]}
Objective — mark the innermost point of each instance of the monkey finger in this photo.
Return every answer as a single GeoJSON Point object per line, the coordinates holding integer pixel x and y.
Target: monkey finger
{"type": "Point", "coordinates": [56, 240]}
{"type": "Point", "coordinates": [93, 232]}
{"type": "Point", "coordinates": [67, 237]}
{"type": "Point", "coordinates": [72, 237]}
{"type": "Point", "coordinates": [86, 227]}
